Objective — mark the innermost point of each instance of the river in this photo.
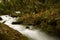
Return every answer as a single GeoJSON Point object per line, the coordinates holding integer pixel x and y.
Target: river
{"type": "Point", "coordinates": [34, 34]}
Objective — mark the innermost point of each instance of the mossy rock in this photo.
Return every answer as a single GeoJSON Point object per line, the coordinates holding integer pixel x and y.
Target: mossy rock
{"type": "Point", "coordinates": [7, 33]}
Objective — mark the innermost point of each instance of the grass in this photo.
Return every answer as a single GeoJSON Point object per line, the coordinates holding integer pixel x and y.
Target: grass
{"type": "Point", "coordinates": [48, 21]}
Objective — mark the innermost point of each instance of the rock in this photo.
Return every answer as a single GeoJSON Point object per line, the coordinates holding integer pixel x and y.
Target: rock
{"type": "Point", "coordinates": [7, 33]}
{"type": "Point", "coordinates": [0, 18]}
{"type": "Point", "coordinates": [27, 27]}
{"type": "Point", "coordinates": [17, 22]}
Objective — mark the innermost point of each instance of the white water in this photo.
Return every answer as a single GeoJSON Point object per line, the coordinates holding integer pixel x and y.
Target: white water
{"type": "Point", "coordinates": [34, 34]}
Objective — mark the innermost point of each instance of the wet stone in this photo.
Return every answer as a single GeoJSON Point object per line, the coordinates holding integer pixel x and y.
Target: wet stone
{"type": "Point", "coordinates": [27, 27]}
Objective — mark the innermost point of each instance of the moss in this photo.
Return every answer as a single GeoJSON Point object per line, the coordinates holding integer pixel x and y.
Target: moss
{"type": "Point", "coordinates": [7, 33]}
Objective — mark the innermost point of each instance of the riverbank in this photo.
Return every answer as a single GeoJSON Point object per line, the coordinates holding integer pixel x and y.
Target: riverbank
{"type": "Point", "coordinates": [7, 33]}
{"type": "Point", "coordinates": [48, 21]}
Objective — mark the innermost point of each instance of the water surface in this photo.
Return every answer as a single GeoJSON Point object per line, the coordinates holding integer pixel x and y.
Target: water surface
{"type": "Point", "coordinates": [34, 34]}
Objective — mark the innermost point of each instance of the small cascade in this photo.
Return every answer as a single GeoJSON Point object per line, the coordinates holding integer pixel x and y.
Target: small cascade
{"type": "Point", "coordinates": [27, 31]}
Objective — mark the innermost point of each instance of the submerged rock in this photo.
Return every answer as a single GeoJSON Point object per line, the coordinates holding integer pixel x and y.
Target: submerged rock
{"type": "Point", "coordinates": [0, 18]}
{"type": "Point", "coordinates": [7, 33]}
{"type": "Point", "coordinates": [17, 22]}
{"type": "Point", "coordinates": [30, 27]}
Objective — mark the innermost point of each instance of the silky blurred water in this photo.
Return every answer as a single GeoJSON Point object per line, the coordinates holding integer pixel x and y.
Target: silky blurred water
{"type": "Point", "coordinates": [34, 34]}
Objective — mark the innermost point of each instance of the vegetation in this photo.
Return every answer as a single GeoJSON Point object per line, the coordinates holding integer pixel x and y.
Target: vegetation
{"type": "Point", "coordinates": [28, 6]}
{"type": "Point", "coordinates": [47, 18]}
{"type": "Point", "coordinates": [44, 14]}
{"type": "Point", "coordinates": [48, 21]}
{"type": "Point", "coordinates": [7, 33]}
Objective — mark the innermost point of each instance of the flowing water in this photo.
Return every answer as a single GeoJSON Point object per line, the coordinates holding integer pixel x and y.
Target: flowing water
{"type": "Point", "coordinates": [34, 34]}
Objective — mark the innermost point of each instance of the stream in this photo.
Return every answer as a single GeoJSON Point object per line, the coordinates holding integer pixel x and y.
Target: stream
{"type": "Point", "coordinates": [34, 34]}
